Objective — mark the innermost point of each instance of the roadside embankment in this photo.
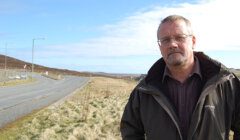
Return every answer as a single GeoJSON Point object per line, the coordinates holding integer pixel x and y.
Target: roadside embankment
{"type": "Point", "coordinates": [92, 113]}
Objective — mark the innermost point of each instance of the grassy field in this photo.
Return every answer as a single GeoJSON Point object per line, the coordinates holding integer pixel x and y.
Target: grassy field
{"type": "Point", "coordinates": [93, 113]}
{"type": "Point", "coordinates": [238, 74]}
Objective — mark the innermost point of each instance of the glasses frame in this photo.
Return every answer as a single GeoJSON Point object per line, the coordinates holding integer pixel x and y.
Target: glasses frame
{"type": "Point", "coordinates": [179, 39]}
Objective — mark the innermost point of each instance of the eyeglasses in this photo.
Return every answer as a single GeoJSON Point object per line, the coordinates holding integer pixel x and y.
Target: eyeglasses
{"type": "Point", "coordinates": [179, 39]}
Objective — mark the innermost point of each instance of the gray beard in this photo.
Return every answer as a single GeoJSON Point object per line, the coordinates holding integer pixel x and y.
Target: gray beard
{"type": "Point", "coordinates": [176, 62]}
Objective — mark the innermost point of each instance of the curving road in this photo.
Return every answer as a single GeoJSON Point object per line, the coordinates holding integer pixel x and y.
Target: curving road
{"type": "Point", "coordinates": [20, 100]}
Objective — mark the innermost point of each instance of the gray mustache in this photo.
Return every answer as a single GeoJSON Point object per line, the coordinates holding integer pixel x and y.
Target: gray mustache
{"type": "Point", "coordinates": [172, 51]}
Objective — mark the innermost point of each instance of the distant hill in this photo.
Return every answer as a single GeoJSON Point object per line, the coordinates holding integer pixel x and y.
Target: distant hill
{"type": "Point", "coordinates": [13, 63]}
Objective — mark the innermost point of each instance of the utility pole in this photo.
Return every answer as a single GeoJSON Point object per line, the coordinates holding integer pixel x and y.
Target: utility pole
{"type": "Point", "coordinates": [33, 41]}
{"type": "Point", "coordinates": [5, 60]}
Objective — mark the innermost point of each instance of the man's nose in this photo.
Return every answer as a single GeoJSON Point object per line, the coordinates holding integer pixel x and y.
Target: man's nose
{"type": "Point", "coordinates": [173, 42]}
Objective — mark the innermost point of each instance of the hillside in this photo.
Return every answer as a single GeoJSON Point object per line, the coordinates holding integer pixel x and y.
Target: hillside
{"type": "Point", "coordinates": [13, 63]}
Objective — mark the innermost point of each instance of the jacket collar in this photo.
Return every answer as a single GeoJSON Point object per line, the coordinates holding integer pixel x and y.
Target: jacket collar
{"type": "Point", "coordinates": [208, 66]}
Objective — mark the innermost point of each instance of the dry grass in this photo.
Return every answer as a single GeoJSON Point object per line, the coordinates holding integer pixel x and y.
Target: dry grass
{"type": "Point", "coordinates": [92, 114]}
{"type": "Point", "coordinates": [238, 74]}
{"type": "Point", "coordinates": [17, 82]}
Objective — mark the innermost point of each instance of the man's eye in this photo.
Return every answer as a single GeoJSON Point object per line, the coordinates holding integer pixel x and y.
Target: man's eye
{"type": "Point", "coordinates": [166, 40]}
{"type": "Point", "coordinates": [180, 38]}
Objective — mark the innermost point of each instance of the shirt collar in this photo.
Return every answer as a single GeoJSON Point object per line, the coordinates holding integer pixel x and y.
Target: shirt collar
{"type": "Point", "coordinates": [196, 70]}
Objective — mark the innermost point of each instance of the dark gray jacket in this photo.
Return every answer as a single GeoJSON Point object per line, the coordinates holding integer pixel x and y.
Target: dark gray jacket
{"type": "Point", "coordinates": [149, 114]}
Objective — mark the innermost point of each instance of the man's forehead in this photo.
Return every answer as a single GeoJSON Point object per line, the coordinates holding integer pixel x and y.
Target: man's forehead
{"type": "Point", "coordinates": [173, 27]}
{"type": "Point", "coordinates": [177, 23]}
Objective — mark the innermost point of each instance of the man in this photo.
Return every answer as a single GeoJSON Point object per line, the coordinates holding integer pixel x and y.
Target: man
{"type": "Point", "coordinates": [185, 96]}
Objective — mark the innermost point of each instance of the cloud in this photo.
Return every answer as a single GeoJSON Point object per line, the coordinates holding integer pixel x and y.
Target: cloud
{"type": "Point", "coordinates": [215, 24]}
{"type": "Point", "coordinates": [130, 45]}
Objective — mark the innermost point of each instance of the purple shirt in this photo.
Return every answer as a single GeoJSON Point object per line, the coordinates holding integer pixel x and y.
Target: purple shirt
{"type": "Point", "coordinates": [184, 96]}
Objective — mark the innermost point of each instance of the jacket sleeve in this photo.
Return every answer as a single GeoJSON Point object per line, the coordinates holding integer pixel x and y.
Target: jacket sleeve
{"type": "Point", "coordinates": [236, 116]}
{"type": "Point", "coordinates": [131, 125]}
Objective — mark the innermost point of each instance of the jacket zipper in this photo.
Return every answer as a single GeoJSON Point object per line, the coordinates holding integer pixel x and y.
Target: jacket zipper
{"type": "Point", "coordinates": [165, 105]}
{"type": "Point", "coordinates": [195, 119]}
{"type": "Point", "coordinates": [210, 85]}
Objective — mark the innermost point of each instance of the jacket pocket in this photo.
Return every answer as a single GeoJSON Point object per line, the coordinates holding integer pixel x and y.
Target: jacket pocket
{"type": "Point", "coordinates": [210, 127]}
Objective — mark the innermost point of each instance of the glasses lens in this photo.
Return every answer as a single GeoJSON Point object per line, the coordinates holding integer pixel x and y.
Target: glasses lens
{"type": "Point", "coordinates": [177, 39]}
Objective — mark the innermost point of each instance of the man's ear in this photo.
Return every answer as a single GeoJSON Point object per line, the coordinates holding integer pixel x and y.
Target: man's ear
{"type": "Point", "coordinates": [194, 42]}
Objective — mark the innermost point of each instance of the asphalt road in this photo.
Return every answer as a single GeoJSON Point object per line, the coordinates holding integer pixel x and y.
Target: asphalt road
{"type": "Point", "coordinates": [20, 100]}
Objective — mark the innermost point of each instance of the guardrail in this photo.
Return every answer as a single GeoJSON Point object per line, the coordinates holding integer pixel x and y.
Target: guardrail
{"type": "Point", "coordinates": [13, 74]}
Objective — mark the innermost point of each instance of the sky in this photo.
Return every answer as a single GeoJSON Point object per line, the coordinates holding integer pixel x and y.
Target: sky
{"type": "Point", "coordinates": [113, 36]}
